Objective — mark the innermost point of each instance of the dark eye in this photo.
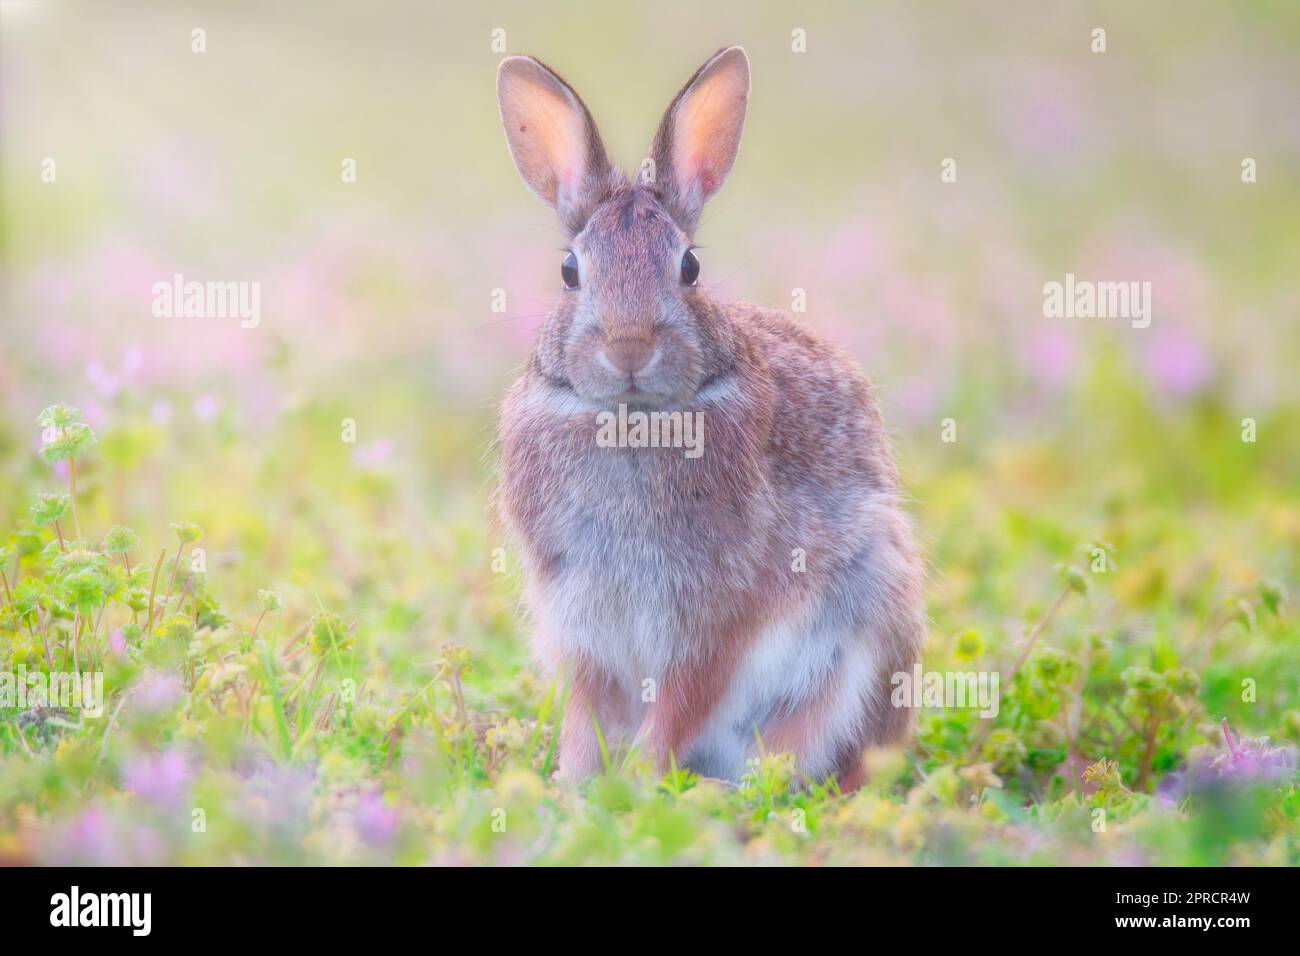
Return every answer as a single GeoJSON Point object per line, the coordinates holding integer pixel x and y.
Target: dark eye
{"type": "Point", "coordinates": [690, 267]}
{"type": "Point", "coordinates": [569, 271]}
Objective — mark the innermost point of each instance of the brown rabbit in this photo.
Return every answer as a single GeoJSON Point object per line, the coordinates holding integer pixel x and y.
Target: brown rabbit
{"type": "Point", "coordinates": [763, 589]}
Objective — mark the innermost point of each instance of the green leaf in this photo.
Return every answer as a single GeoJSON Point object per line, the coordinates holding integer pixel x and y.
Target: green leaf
{"type": "Point", "coordinates": [58, 416]}
{"type": "Point", "coordinates": [120, 540]}
{"type": "Point", "coordinates": [69, 443]}
{"type": "Point", "coordinates": [49, 509]}
{"type": "Point", "coordinates": [186, 532]}
{"type": "Point", "coordinates": [270, 600]}
{"type": "Point", "coordinates": [84, 589]}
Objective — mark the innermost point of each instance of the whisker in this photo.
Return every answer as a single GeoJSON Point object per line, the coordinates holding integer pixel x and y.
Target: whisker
{"type": "Point", "coordinates": [508, 319]}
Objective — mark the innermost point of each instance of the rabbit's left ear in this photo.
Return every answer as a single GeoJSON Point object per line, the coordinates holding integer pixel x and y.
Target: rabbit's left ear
{"type": "Point", "coordinates": [699, 135]}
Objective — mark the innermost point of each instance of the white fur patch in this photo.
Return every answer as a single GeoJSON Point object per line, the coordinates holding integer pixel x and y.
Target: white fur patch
{"type": "Point", "coordinates": [790, 664]}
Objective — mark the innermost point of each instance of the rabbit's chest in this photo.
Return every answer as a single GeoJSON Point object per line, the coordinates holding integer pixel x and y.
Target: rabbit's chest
{"type": "Point", "coordinates": [624, 605]}
{"type": "Point", "coordinates": [631, 552]}
{"type": "Point", "coordinates": [627, 542]}
{"type": "Point", "coordinates": [630, 569]}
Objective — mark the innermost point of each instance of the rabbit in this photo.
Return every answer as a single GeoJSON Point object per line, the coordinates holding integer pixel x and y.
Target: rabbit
{"type": "Point", "coordinates": [757, 597]}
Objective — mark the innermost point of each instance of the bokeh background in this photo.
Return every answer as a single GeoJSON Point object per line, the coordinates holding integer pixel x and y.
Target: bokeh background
{"type": "Point", "coordinates": [377, 306]}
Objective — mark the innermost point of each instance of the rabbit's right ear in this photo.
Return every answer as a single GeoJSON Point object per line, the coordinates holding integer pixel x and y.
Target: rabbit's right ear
{"type": "Point", "coordinates": [552, 138]}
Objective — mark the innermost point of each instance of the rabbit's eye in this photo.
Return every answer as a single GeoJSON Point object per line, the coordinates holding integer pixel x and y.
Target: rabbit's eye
{"type": "Point", "coordinates": [690, 267]}
{"type": "Point", "coordinates": [569, 271]}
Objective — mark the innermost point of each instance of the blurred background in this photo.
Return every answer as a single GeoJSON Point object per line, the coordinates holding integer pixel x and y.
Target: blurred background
{"type": "Point", "coordinates": [377, 303]}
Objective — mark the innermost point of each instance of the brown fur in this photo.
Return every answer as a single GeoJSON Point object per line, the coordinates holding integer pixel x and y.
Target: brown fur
{"type": "Point", "coordinates": [644, 565]}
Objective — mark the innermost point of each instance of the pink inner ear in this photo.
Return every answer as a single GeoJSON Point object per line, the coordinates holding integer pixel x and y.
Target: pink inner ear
{"type": "Point", "coordinates": [547, 135]}
{"type": "Point", "coordinates": [707, 128]}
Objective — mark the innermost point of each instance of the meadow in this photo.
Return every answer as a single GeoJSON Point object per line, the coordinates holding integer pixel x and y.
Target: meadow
{"type": "Point", "coordinates": [332, 687]}
{"type": "Point", "coordinates": [275, 542]}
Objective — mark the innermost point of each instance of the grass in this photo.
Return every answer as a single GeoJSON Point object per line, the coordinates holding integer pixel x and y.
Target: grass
{"type": "Point", "coordinates": [320, 658]}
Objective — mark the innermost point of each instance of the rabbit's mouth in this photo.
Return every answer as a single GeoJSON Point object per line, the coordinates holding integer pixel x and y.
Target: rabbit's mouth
{"type": "Point", "coordinates": [637, 395]}
{"type": "Point", "coordinates": [661, 388]}
{"type": "Point", "coordinates": [642, 387]}
{"type": "Point", "coordinates": [643, 396]}
{"type": "Point", "coordinates": [656, 370]}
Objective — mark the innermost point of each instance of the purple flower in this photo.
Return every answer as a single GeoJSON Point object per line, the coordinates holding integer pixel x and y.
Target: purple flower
{"type": "Point", "coordinates": [1177, 362]}
{"type": "Point", "coordinates": [279, 797]}
{"type": "Point", "coordinates": [104, 381]}
{"type": "Point", "coordinates": [132, 362]}
{"type": "Point", "coordinates": [374, 456]}
{"type": "Point", "coordinates": [109, 382]}
{"type": "Point", "coordinates": [374, 820]}
{"type": "Point", "coordinates": [156, 692]}
{"type": "Point", "coordinates": [1051, 356]}
{"type": "Point", "coordinates": [1247, 761]}
{"type": "Point", "coordinates": [1172, 789]}
{"type": "Point", "coordinates": [1252, 760]}
{"type": "Point", "coordinates": [162, 779]}
{"type": "Point", "coordinates": [1044, 115]}
{"type": "Point", "coordinates": [206, 407]}
{"type": "Point", "coordinates": [89, 840]}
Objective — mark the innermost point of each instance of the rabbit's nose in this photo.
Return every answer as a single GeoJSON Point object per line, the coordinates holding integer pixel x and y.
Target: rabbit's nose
{"type": "Point", "coordinates": [629, 355]}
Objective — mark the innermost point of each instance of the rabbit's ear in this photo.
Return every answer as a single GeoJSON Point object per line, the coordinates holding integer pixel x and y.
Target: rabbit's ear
{"type": "Point", "coordinates": [700, 134]}
{"type": "Point", "coordinates": [552, 138]}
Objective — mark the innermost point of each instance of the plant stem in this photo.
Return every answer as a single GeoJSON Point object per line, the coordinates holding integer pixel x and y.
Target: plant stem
{"type": "Point", "coordinates": [72, 488]}
{"type": "Point", "coordinates": [1034, 635]}
{"type": "Point", "coordinates": [1227, 735]}
{"type": "Point", "coordinates": [45, 638]}
{"type": "Point", "coordinates": [1037, 632]}
{"type": "Point", "coordinates": [23, 740]}
{"type": "Point", "coordinates": [153, 588]}
{"type": "Point", "coordinates": [1214, 627]}
{"type": "Point", "coordinates": [94, 637]}
{"type": "Point", "coordinates": [461, 710]}
{"type": "Point", "coordinates": [10, 596]}
{"type": "Point", "coordinates": [76, 640]}
{"type": "Point", "coordinates": [103, 746]}
{"type": "Point", "coordinates": [172, 583]}
{"type": "Point", "coordinates": [59, 530]}
{"type": "Point", "coordinates": [1153, 726]}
